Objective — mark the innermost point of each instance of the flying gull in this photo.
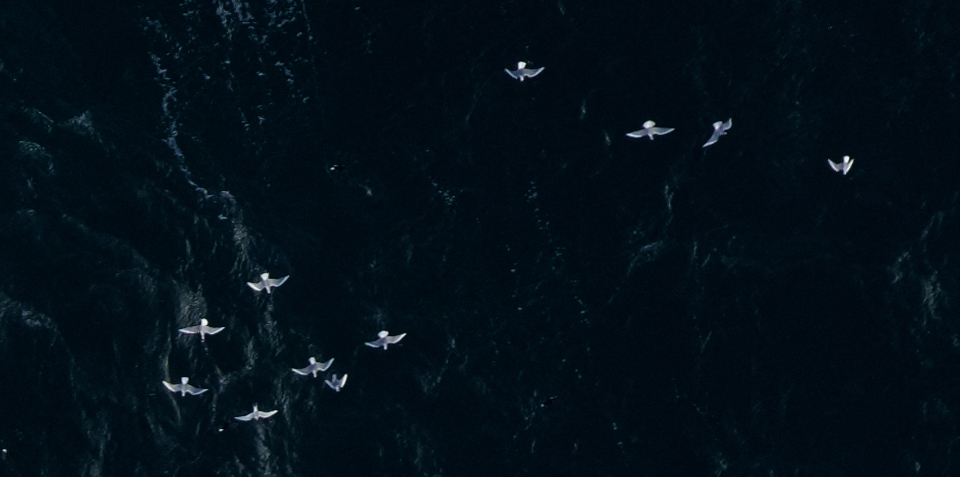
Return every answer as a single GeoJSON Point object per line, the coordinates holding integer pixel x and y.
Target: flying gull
{"type": "Point", "coordinates": [183, 388]}
{"type": "Point", "coordinates": [202, 329]}
{"type": "Point", "coordinates": [719, 129]}
{"type": "Point", "coordinates": [336, 384]}
{"type": "Point", "coordinates": [523, 72]}
{"type": "Point", "coordinates": [313, 368]}
{"type": "Point", "coordinates": [842, 166]}
{"type": "Point", "coordinates": [384, 339]}
{"type": "Point", "coordinates": [256, 415]}
{"type": "Point", "coordinates": [266, 283]}
{"type": "Point", "coordinates": [649, 130]}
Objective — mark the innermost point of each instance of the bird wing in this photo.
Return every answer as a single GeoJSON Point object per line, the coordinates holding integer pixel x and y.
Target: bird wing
{"type": "Point", "coordinates": [833, 165]}
{"type": "Point", "coordinates": [193, 390]}
{"type": "Point", "coordinates": [302, 371]}
{"type": "Point", "coordinates": [375, 344]}
{"type": "Point", "coordinates": [255, 286]}
{"type": "Point", "coordinates": [174, 388]}
{"type": "Point", "coordinates": [639, 133]}
{"type": "Point", "coordinates": [190, 330]}
{"type": "Point", "coordinates": [275, 282]}
{"type": "Point", "coordinates": [325, 366]}
{"type": "Point", "coordinates": [212, 330]}
{"type": "Point", "coordinates": [266, 414]}
{"type": "Point", "coordinates": [714, 138]}
{"type": "Point", "coordinates": [247, 417]}
{"type": "Point", "coordinates": [660, 131]}
{"type": "Point", "coordinates": [394, 339]}
{"type": "Point", "coordinates": [530, 73]}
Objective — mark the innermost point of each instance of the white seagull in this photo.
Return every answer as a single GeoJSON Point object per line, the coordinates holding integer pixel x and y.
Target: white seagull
{"type": "Point", "coordinates": [266, 283]}
{"type": "Point", "coordinates": [183, 388]}
{"type": "Point", "coordinates": [202, 329]}
{"type": "Point", "coordinates": [843, 166]}
{"type": "Point", "coordinates": [313, 368]}
{"type": "Point", "coordinates": [649, 130]}
{"type": "Point", "coordinates": [523, 72]}
{"type": "Point", "coordinates": [256, 415]}
{"type": "Point", "coordinates": [384, 339]}
{"type": "Point", "coordinates": [719, 129]}
{"type": "Point", "coordinates": [336, 384]}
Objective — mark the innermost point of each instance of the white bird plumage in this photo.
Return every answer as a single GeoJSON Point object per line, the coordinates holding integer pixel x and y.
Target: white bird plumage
{"type": "Point", "coordinates": [719, 129]}
{"type": "Point", "coordinates": [313, 368]}
{"type": "Point", "coordinates": [202, 329]}
{"type": "Point", "coordinates": [384, 339]}
{"type": "Point", "coordinates": [266, 283]}
{"type": "Point", "coordinates": [649, 130]}
{"type": "Point", "coordinates": [843, 166]}
{"type": "Point", "coordinates": [336, 384]}
{"type": "Point", "coordinates": [183, 388]}
{"type": "Point", "coordinates": [523, 72]}
{"type": "Point", "coordinates": [256, 415]}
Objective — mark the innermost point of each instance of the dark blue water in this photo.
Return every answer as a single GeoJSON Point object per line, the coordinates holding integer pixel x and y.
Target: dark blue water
{"type": "Point", "coordinates": [577, 302]}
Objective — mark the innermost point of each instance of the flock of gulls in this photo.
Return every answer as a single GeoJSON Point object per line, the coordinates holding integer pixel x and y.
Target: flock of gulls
{"type": "Point", "coordinates": [314, 367]}
{"type": "Point", "coordinates": [384, 339]}
{"type": "Point", "coordinates": [650, 128]}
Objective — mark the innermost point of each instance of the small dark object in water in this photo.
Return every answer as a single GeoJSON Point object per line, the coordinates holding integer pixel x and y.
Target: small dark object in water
{"type": "Point", "coordinates": [548, 402]}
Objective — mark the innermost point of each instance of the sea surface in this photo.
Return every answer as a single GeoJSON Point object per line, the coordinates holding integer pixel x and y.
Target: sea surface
{"type": "Point", "coordinates": [576, 302]}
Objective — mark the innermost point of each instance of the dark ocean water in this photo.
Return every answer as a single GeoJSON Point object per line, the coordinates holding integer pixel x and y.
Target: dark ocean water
{"type": "Point", "coordinates": [577, 302]}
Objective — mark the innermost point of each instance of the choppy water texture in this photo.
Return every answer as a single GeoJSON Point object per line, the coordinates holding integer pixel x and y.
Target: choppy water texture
{"type": "Point", "coordinates": [577, 302]}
